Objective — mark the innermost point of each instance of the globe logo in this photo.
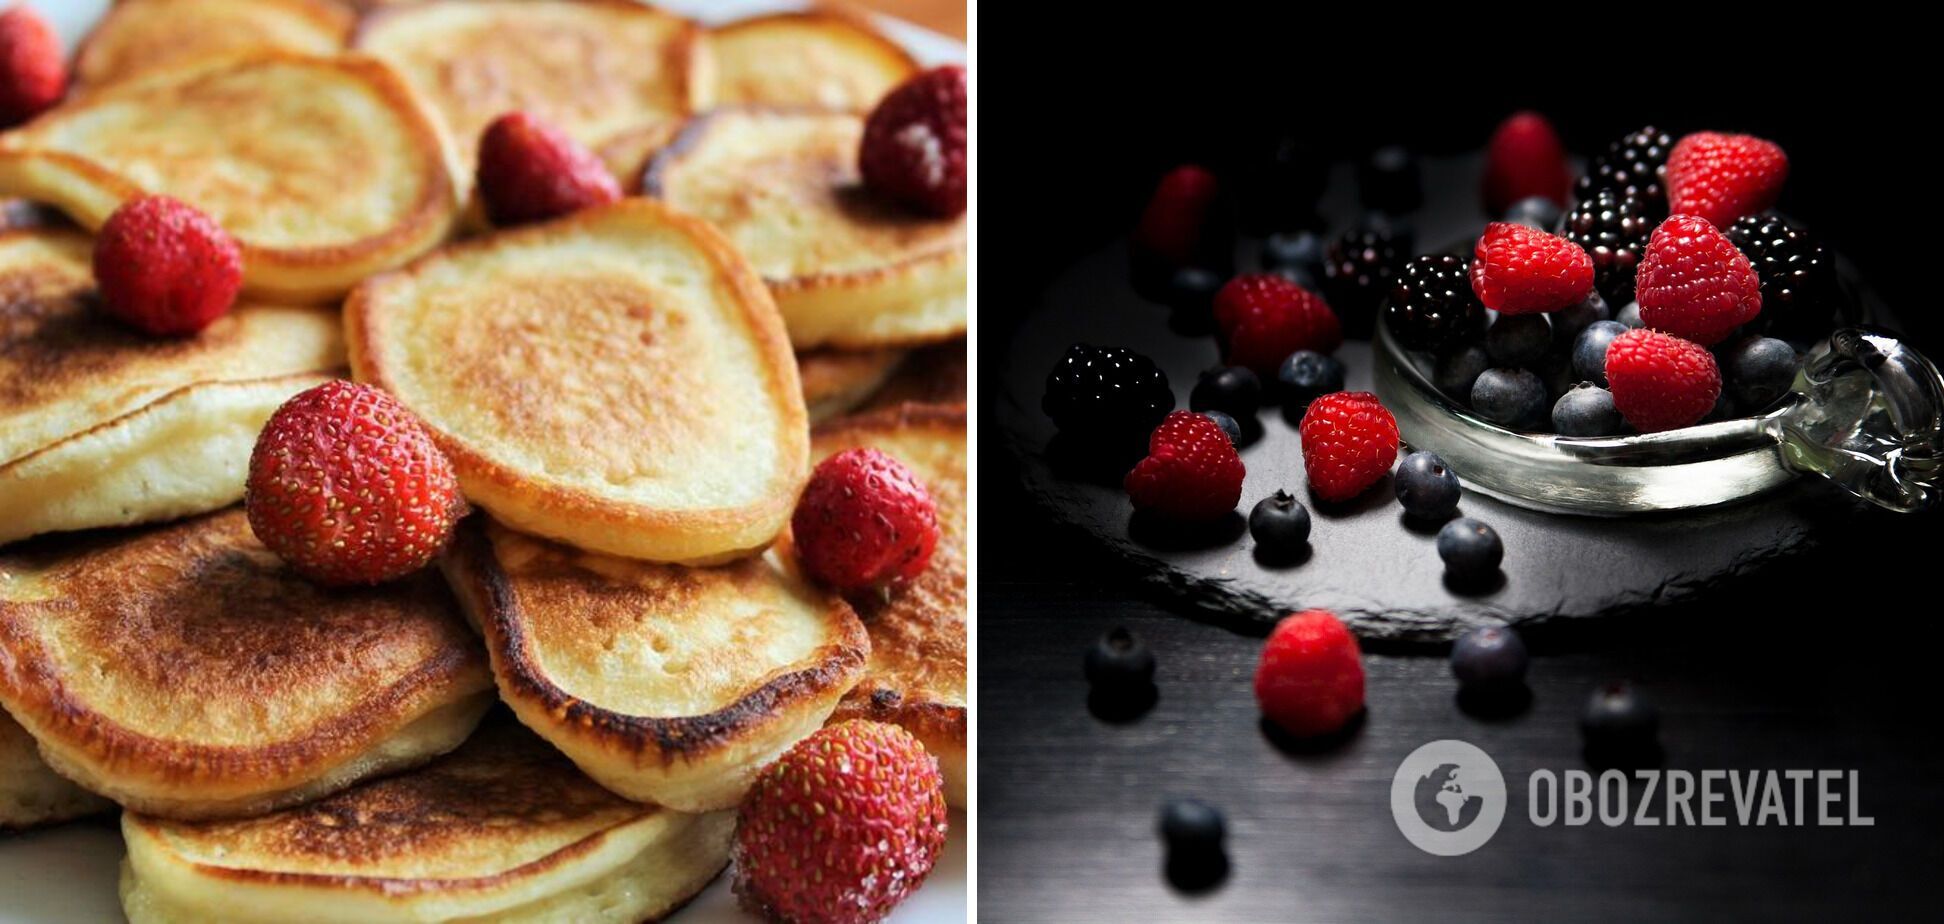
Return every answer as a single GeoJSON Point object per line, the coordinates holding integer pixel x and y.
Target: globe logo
{"type": "Point", "coordinates": [1448, 798]}
{"type": "Point", "coordinates": [1442, 802]}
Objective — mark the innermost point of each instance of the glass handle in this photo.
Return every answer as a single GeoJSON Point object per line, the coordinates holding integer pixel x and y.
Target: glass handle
{"type": "Point", "coordinates": [1868, 415]}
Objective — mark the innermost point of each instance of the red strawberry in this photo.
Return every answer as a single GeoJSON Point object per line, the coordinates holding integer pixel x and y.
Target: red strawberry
{"type": "Point", "coordinates": [1524, 158]}
{"type": "Point", "coordinates": [864, 520]}
{"type": "Point", "coordinates": [1693, 282]}
{"type": "Point", "coordinates": [1311, 678]}
{"type": "Point", "coordinates": [1177, 215]}
{"type": "Point", "coordinates": [842, 827]}
{"type": "Point", "coordinates": [532, 171]}
{"type": "Point", "coordinates": [33, 72]}
{"type": "Point", "coordinates": [915, 143]}
{"type": "Point", "coordinates": [1520, 270]}
{"type": "Point", "coordinates": [1349, 443]}
{"type": "Point", "coordinates": [166, 268]}
{"type": "Point", "coordinates": [1264, 318]}
{"type": "Point", "coordinates": [1723, 177]}
{"type": "Point", "coordinates": [1192, 472]}
{"type": "Point", "coordinates": [1659, 381]}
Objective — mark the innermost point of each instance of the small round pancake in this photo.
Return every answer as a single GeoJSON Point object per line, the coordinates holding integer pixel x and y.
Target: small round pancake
{"type": "Point", "coordinates": [837, 381]}
{"type": "Point", "coordinates": [849, 268]}
{"type": "Point", "coordinates": [185, 672]}
{"type": "Point", "coordinates": [324, 169]}
{"type": "Point", "coordinates": [933, 375]}
{"type": "Point", "coordinates": [665, 683]}
{"type": "Point", "coordinates": [617, 379]}
{"type": "Point", "coordinates": [626, 153]}
{"type": "Point", "coordinates": [31, 793]}
{"type": "Point", "coordinates": [823, 58]}
{"type": "Point", "coordinates": [503, 829]}
{"type": "Point", "coordinates": [139, 36]}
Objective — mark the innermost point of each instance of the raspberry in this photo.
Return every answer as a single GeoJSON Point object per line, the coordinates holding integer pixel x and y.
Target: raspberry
{"type": "Point", "coordinates": [865, 520]}
{"type": "Point", "coordinates": [33, 72]}
{"type": "Point", "coordinates": [841, 828]}
{"type": "Point", "coordinates": [1659, 381]}
{"type": "Point", "coordinates": [348, 487]}
{"type": "Point", "coordinates": [166, 268]}
{"type": "Point", "coordinates": [531, 171]}
{"type": "Point", "coordinates": [1311, 678]}
{"type": "Point", "coordinates": [1693, 282]}
{"type": "Point", "coordinates": [915, 141]}
{"type": "Point", "coordinates": [1349, 444]}
{"type": "Point", "coordinates": [1723, 177]}
{"type": "Point", "coordinates": [1524, 158]}
{"type": "Point", "coordinates": [1191, 474]}
{"type": "Point", "coordinates": [1520, 270]}
{"type": "Point", "coordinates": [1177, 216]}
{"type": "Point", "coordinates": [1265, 317]}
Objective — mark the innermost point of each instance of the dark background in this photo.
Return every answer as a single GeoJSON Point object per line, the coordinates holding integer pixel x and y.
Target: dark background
{"type": "Point", "coordinates": [1827, 663]}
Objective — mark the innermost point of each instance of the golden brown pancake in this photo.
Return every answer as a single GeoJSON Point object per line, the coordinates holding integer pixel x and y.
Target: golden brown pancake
{"type": "Point", "coordinates": [827, 58]}
{"type": "Point", "coordinates": [933, 375]}
{"type": "Point", "coordinates": [837, 381]}
{"type": "Point", "coordinates": [184, 671]}
{"type": "Point", "coordinates": [31, 793]}
{"type": "Point", "coordinates": [627, 152]}
{"type": "Point", "coordinates": [139, 36]}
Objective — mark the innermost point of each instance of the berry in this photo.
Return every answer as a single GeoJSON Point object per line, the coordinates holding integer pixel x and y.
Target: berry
{"type": "Point", "coordinates": [865, 520]}
{"type": "Point", "coordinates": [1568, 322]}
{"type": "Point", "coordinates": [1590, 350]}
{"type": "Point", "coordinates": [1118, 662]}
{"type": "Point", "coordinates": [1390, 181]}
{"type": "Point", "coordinates": [1629, 315]}
{"type": "Point", "coordinates": [1619, 720]}
{"type": "Point", "coordinates": [1536, 212]}
{"type": "Point", "coordinates": [1426, 487]}
{"type": "Point", "coordinates": [1311, 678]}
{"type": "Point", "coordinates": [1459, 369]}
{"type": "Point", "coordinates": [1723, 177]}
{"type": "Point", "coordinates": [1307, 375]}
{"type": "Point", "coordinates": [166, 268]}
{"type": "Point", "coordinates": [915, 143]}
{"type": "Point", "coordinates": [1512, 398]}
{"type": "Point", "coordinates": [1280, 524]}
{"type": "Point", "coordinates": [1634, 167]}
{"type": "Point", "coordinates": [1519, 339]}
{"type": "Point", "coordinates": [1359, 268]}
{"type": "Point", "coordinates": [33, 71]}
{"type": "Point", "coordinates": [1264, 318]}
{"type": "Point", "coordinates": [1517, 270]}
{"type": "Point", "coordinates": [1176, 226]}
{"type": "Point", "coordinates": [1349, 443]}
{"type": "Point", "coordinates": [1659, 381]}
{"type": "Point", "coordinates": [1489, 657]}
{"type": "Point", "coordinates": [1191, 826]}
{"type": "Point", "coordinates": [1106, 392]}
{"type": "Point", "coordinates": [1693, 283]}
{"type": "Point", "coordinates": [1191, 290]}
{"type": "Point", "coordinates": [347, 487]}
{"type": "Point", "coordinates": [1759, 371]}
{"type": "Point", "coordinates": [841, 828]}
{"type": "Point", "coordinates": [1191, 474]}
{"type": "Point", "coordinates": [1302, 250]}
{"type": "Point", "coordinates": [1612, 229]}
{"type": "Point", "coordinates": [531, 171]}
{"type": "Point", "coordinates": [1234, 389]}
{"type": "Point", "coordinates": [1525, 158]}
{"type": "Point", "coordinates": [1586, 410]}
{"type": "Point", "coordinates": [1470, 549]}
{"type": "Point", "coordinates": [1432, 306]}
{"type": "Point", "coordinates": [1229, 425]}
{"type": "Point", "coordinates": [1798, 277]}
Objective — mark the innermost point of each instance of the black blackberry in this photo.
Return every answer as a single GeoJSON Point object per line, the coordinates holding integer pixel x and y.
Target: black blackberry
{"type": "Point", "coordinates": [1359, 268]}
{"type": "Point", "coordinates": [1633, 166]}
{"type": "Point", "coordinates": [1106, 392]}
{"type": "Point", "coordinates": [1798, 277]}
{"type": "Point", "coordinates": [1432, 306]}
{"type": "Point", "coordinates": [1610, 225]}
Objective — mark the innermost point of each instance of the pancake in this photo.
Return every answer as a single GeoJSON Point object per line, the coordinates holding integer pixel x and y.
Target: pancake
{"type": "Point", "coordinates": [324, 169]}
{"type": "Point", "coordinates": [184, 671]}
{"type": "Point", "coordinates": [822, 58]}
{"type": "Point", "coordinates": [848, 267]}
{"type": "Point", "coordinates": [665, 683]}
{"type": "Point", "coordinates": [627, 152]}
{"type": "Point", "coordinates": [503, 829]}
{"type": "Point", "coordinates": [933, 375]}
{"type": "Point", "coordinates": [617, 379]}
{"type": "Point", "coordinates": [837, 381]}
{"type": "Point", "coordinates": [31, 793]}
{"type": "Point", "coordinates": [140, 36]}
{"type": "Point", "coordinates": [103, 426]}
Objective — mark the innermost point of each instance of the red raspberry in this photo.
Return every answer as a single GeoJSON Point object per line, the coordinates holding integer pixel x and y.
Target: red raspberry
{"type": "Point", "coordinates": [166, 268]}
{"type": "Point", "coordinates": [842, 827]}
{"type": "Point", "coordinates": [33, 72]}
{"type": "Point", "coordinates": [1659, 381]}
{"type": "Point", "coordinates": [1693, 282]}
{"type": "Point", "coordinates": [1182, 206]}
{"type": "Point", "coordinates": [532, 171]}
{"type": "Point", "coordinates": [865, 520]}
{"type": "Point", "coordinates": [1311, 679]}
{"type": "Point", "coordinates": [1192, 473]}
{"type": "Point", "coordinates": [1265, 317]}
{"type": "Point", "coordinates": [1524, 158]}
{"type": "Point", "coordinates": [1520, 270]}
{"type": "Point", "coordinates": [915, 142]}
{"type": "Point", "coordinates": [347, 486]}
{"type": "Point", "coordinates": [1723, 177]}
{"type": "Point", "coordinates": [1349, 444]}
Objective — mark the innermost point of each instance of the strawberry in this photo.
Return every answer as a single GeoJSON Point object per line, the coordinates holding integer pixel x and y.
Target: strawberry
{"type": "Point", "coordinates": [347, 486]}
{"type": "Point", "coordinates": [1192, 473]}
{"type": "Point", "coordinates": [1525, 158]}
{"type": "Point", "coordinates": [916, 140]}
{"type": "Point", "coordinates": [1264, 318]}
{"type": "Point", "coordinates": [1660, 381]}
{"type": "Point", "coordinates": [1178, 216]}
{"type": "Point", "coordinates": [1694, 282]}
{"type": "Point", "coordinates": [865, 520]}
{"type": "Point", "coordinates": [1723, 177]}
{"type": "Point", "coordinates": [33, 72]}
{"type": "Point", "coordinates": [166, 268]}
{"type": "Point", "coordinates": [1349, 443]}
{"type": "Point", "coordinates": [842, 827]}
{"type": "Point", "coordinates": [531, 171]}
{"type": "Point", "coordinates": [1310, 680]}
{"type": "Point", "coordinates": [1521, 270]}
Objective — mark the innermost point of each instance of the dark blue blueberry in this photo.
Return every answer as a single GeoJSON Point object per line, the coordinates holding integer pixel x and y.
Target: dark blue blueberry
{"type": "Point", "coordinates": [1470, 549]}
{"type": "Point", "coordinates": [1280, 524]}
{"type": "Point", "coordinates": [1629, 314]}
{"type": "Point", "coordinates": [1307, 375]}
{"type": "Point", "coordinates": [1298, 275]}
{"type": "Point", "coordinates": [1519, 339]}
{"type": "Point", "coordinates": [1390, 181]}
{"type": "Point", "coordinates": [1510, 397]}
{"type": "Point", "coordinates": [1760, 370]}
{"type": "Point", "coordinates": [1228, 424]}
{"type": "Point", "coordinates": [1426, 487]}
{"type": "Point", "coordinates": [1192, 826]}
{"type": "Point", "coordinates": [1118, 661]}
{"type": "Point", "coordinates": [1296, 249]}
{"type": "Point", "coordinates": [1569, 321]}
{"type": "Point", "coordinates": [1724, 407]}
{"type": "Point", "coordinates": [1619, 720]}
{"type": "Point", "coordinates": [1587, 410]}
{"type": "Point", "coordinates": [1589, 351]}
{"type": "Point", "coordinates": [1489, 657]}
{"type": "Point", "coordinates": [1535, 212]}
{"type": "Point", "coordinates": [1234, 389]}
{"type": "Point", "coordinates": [1458, 369]}
{"type": "Point", "coordinates": [1191, 290]}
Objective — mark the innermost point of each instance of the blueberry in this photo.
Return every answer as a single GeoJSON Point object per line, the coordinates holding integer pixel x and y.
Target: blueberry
{"type": "Point", "coordinates": [1534, 212]}
{"type": "Point", "coordinates": [1629, 314]}
{"type": "Point", "coordinates": [1724, 408]}
{"type": "Point", "coordinates": [1299, 275]}
{"type": "Point", "coordinates": [1191, 290]}
{"type": "Point", "coordinates": [1118, 661]}
{"type": "Point", "coordinates": [1589, 351]}
{"type": "Point", "coordinates": [1302, 250]}
{"type": "Point", "coordinates": [1489, 657]}
{"type": "Point", "coordinates": [1519, 339]}
{"type": "Point", "coordinates": [1470, 549]}
{"type": "Point", "coordinates": [1307, 375]}
{"type": "Point", "coordinates": [1280, 524]}
{"type": "Point", "coordinates": [1192, 826]}
{"type": "Point", "coordinates": [1510, 397]}
{"type": "Point", "coordinates": [1234, 389]}
{"type": "Point", "coordinates": [1228, 425]}
{"type": "Point", "coordinates": [1426, 487]}
{"type": "Point", "coordinates": [1587, 410]}
{"type": "Point", "coordinates": [1569, 321]}
{"type": "Point", "coordinates": [1760, 370]}
{"type": "Point", "coordinates": [1457, 370]}
{"type": "Point", "coordinates": [1389, 180]}
{"type": "Point", "coordinates": [1618, 721]}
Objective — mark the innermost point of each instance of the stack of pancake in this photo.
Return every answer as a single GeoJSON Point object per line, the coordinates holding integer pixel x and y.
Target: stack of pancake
{"type": "Point", "coordinates": [632, 396]}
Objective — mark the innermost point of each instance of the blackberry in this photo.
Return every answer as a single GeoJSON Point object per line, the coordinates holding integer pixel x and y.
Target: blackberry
{"type": "Point", "coordinates": [1798, 277]}
{"type": "Point", "coordinates": [1106, 392]}
{"type": "Point", "coordinates": [1359, 269]}
{"type": "Point", "coordinates": [1432, 306]}
{"type": "Point", "coordinates": [1633, 166]}
{"type": "Point", "coordinates": [1611, 227]}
